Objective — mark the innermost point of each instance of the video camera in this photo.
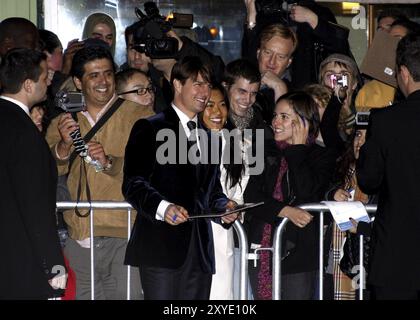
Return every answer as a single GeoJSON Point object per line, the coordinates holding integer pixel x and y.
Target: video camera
{"type": "Point", "coordinates": [150, 37]}
{"type": "Point", "coordinates": [274, 10]}
{"type": "Point", "coordinates": [362, 118]}
{"type": "Point", "coordinates": [70, 101]}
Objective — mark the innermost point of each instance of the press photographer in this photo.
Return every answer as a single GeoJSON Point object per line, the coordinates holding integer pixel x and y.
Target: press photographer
{"type": "Point", "coordinates": [155, 37]}
{"type": "Point", "coordinates": [316, 27]}
{"type": "Point", "coordinates": [104, 127]}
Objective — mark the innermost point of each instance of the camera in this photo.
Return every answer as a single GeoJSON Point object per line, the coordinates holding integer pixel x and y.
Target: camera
{"type": "Point", "coordinates": [274, 11]}
{"type": "Point", "coordinates": [150, 37]}
{"type": "Point", "coordinates": [70, 101]}
{"type": "Point", "coordinates": [362, 118]}
{"type": "Point", "coordinates": [338, 80]}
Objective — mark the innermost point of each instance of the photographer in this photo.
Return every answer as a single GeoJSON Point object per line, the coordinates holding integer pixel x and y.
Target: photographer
{"type": "Point", "coordinates": [156, 38]}
{"type": "Point", "coordinates": [93, 74]}
{"type": "Point", "coordinates": [316, 29]}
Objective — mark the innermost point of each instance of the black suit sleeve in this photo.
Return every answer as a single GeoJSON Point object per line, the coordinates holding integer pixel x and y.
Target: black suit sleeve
{"type": "Point", "coordinates": [140, 160]}
{"type": "Point", "coordinates": [370, 166]}
{"type": "Point", "coordinates": [33, 178]}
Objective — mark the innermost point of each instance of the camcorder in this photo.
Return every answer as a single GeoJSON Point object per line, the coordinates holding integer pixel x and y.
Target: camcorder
{"type": "Point", "coordinates": [362, 118]}
{"type": "Point", "coordinates": [70, 101]}
{"type": "Point", "coordinates": [274, 10]}
{"type": "Point", "coordinates": [74, 102]}
{"type": "Point", "coordinates": [338, 80]}
{"type": "Point", "coordinates": [150, 38]}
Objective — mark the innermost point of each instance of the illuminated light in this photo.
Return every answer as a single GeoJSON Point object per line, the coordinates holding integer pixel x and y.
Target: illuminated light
{"type": "Point", "coordinates": [214, 32]}
{"type": "Point", "coordinates": [169, 16]}
{"type": "Point", "coordinates": [350, 7]}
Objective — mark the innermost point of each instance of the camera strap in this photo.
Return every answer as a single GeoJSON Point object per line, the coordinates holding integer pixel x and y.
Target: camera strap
{"type": "Point", "coordinates": [83, 170]}
{"type": "Point", "coordinates": [96, 127]}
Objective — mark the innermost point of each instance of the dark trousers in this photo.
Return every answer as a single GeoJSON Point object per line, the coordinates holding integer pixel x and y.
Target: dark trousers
{"type": "Point", "coordinates": [386, 293]}
{"type": "Point", "coordinates": [188, 282]}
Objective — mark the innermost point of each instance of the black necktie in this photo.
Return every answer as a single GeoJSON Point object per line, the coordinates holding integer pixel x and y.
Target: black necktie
{"type": "Point", "coordinates": [192, 126]}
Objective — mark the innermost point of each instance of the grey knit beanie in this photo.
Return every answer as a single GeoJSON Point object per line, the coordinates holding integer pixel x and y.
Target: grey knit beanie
{"type": "Point", "coordinates": [342, 58]}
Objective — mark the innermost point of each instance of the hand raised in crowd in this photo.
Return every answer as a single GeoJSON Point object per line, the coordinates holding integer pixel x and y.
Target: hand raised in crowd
{"type": "Point", "coordinates": [175, 215]}
{"type": "Point", "coordinates": [230, 218]}
{"type": "Point", "coordinates": [342, 195]}
{"type": "Point", "coordinates": [302, 14]}
{"type": "Point", "coordinates": [300, 130]}
{"type": "Point", "coordinates": [272, 81]}
{"type": "Point", "coordinates": [298, 216]}
{"type": "Point", "coordinates": [96, 152]}
{"type": "Point", "coordinates": [66, 125]}
{"type": "Point", "coordinates": [251, 11]}
{"type": "Point", "coordinates": [72, 47]}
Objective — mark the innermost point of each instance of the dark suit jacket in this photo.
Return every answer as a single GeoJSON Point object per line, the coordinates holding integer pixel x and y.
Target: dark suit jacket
{"type": "Point", "coordinates": [389, 163]}
{"type": "Point", "coordinates": [147, 182]}
{"type": "Point", "coordinates": [28, 234]}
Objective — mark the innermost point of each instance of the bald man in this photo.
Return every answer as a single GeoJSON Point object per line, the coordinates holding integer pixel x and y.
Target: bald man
{"type": "Point", "coordinates": [17, 33]}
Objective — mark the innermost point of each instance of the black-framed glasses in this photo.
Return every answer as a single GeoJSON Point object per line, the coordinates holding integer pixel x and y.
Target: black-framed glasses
{"type": "Point", "coordinates": [141, 91]}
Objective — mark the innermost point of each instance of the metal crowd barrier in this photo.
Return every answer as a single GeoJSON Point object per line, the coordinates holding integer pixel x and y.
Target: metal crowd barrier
{"type": "Point", "coordinates": [277, 243]}
{"type": "Point", "coordinates": [112, 205]}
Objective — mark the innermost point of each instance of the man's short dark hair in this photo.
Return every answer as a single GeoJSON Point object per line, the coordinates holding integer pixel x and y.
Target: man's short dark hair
{"type": "Point", "coordinates": [408, 55]}
{"type": "Point", "coordinates": [411, 26]}
{"type": "Point", "coordinates": [19, 65]}
{"type": "Point", "coordinates": [85, 55]}
{"type": "Point", "coordinates": [122, 77]}
{"type": "Point", "coordinates": [129, 31]}
{"type": "Point", "coordinates": [190, 67]}
{"type": "Point", "coordinates": [241, 68]}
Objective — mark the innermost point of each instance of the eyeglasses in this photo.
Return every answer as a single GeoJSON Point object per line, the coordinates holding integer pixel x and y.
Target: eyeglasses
{"type": "Point", "coordinates": [141, 91]}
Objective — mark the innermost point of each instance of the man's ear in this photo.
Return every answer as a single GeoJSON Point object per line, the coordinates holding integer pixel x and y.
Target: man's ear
{"type": "Point", "coordinates": [177, 85]}
{"type": "Point", "coordinates": [77, 83]}
{"type": "Point", "coordinates": [28, 86]}
{"type": "Point", "coordinates": [405, 74]}
{"type": "Point", "coordinates": [258, 53]}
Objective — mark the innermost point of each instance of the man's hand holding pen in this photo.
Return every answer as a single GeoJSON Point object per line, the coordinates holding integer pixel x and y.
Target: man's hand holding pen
{"type": "Point", "coordinates": [176, 215]}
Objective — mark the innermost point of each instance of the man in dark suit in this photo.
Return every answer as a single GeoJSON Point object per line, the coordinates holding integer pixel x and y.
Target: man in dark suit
{"type": "Point", "coordinates": [389, 163]}
{"type": "Point", "coordinates": [31, 254]}
{"type": "Point", "coordinates": [175, 255]}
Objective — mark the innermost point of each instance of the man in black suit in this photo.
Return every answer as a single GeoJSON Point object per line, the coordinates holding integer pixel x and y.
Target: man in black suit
{"type": "Point", "coordinates": [175, 255]}
{"type": "Point", "coordinates": [389, 163]}
{"type": "Point", "coordinates": [31, 254]}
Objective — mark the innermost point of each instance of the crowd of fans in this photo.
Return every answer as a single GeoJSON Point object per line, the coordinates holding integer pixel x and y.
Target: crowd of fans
{"type": "Point", "coordinates": [287, 86]}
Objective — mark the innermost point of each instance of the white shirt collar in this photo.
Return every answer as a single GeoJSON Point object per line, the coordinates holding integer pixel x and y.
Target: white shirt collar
{"type": "Point", "coordinates": [184, 119]}
{"type": "Point", "coordinates": [101, 113]}
{"type": "Point", "coordinates": [20, 104]}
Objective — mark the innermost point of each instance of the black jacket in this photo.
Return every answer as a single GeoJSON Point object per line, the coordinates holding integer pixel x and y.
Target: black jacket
{"type": "Point", "coordinates": [389, 165]}
{"type": "Point", "coordinates": [309, 171]}
{"type": "Point", "coordinates": [147, 182]}
{"type": "Point", "coordinates": [28, 233]}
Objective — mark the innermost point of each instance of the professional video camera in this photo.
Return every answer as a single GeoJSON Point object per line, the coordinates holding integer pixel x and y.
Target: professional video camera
{"type": "Point", "coordinates": [276, 10]}
{"type": "Point", "coordinates": [150, 38]}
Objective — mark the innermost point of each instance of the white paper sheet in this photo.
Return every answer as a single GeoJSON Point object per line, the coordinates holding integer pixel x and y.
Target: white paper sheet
{"type": "Point", "coordinates": [342, 211]}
